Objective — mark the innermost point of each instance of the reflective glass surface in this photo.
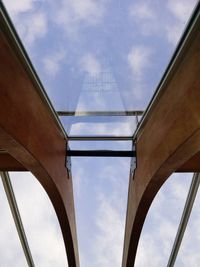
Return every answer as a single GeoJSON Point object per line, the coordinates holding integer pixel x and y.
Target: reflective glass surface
{"type": "Point", "coordinates": [100, 55]}
{"type": "Point", "coordinates": [40, 221]}
{"type": "Point", "coordinates": [11, 252]}
{"type": "Point", "coordinates": [162, 222]}
{"type": "Point", "coordinates": [99, 126]}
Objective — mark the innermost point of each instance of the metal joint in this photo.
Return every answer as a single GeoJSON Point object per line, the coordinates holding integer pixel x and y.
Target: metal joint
{"type": "Point", "coordinates": [101, 153]}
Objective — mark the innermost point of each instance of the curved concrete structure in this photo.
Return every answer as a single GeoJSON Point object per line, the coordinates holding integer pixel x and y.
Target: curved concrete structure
{"type": "Point", "coordinates": [32, 137]}
{"type": "Point", "coordinates": [169, 139]}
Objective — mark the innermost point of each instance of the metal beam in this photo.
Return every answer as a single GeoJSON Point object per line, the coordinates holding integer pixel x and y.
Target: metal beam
{"type": "Point", "coordinates": [100, 138]}
{"type": "Point", "coordinates": [101, 153]}
{"type": "Point", "coordinates": [101, 113]}
{"type": "Point", "coordinates": [184, 219]}
{"type": "Point", "coordinates": [16, 216]}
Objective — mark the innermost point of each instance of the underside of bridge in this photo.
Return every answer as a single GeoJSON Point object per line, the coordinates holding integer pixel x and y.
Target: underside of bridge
{"type": "Point", "coordinates": [167, 140]}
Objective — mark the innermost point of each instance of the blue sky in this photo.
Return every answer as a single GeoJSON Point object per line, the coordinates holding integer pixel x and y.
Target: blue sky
{"type": "Point", "coordinates": [69, 41]}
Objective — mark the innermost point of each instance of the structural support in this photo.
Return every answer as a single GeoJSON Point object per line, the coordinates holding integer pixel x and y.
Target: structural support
{"type": "Point", "coordinates": [16, 216]}
{"type": "Point", "coordinates": [31, 133]}
{"type": "Point", "coordinates": [8, 163]}
{"type": "Point", "coordinates": [184, 219]}
{"type": "Point", "coordinates": [101, 153]}
{"type": "Point", "coordinates": [100, 113]}
{"type": "Point", "coordinates": [99, 138]}
{"type": "Point", "coordinates": [168, 138]}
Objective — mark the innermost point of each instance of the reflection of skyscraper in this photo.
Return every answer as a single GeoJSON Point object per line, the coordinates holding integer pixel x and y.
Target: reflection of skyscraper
{"type": "Point", "coordinates": [100, 82]}
{"type": "Point", "coordinates": [100, 92]}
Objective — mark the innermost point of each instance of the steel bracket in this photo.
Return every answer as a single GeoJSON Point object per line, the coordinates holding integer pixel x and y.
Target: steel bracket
{"type": "Point", "coordinates": [101, 153]}
{"type": "Point", "coordinates": [133, 161]}
{"type": "Point", "coordinates": [68, 163]}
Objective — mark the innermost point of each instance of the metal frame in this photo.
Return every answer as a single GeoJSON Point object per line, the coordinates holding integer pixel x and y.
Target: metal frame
{"type": "Point", "coordinates": [99, 138]}
{"type": "Point", "coordinates": [101, 153]}
{"type": "Point", "coordinates": [101, 113]}
{"type": "Point", "coordinates": [134, 113]}
{"type": "Point", "coordinates": [16, 216]}
{"type": "Point", "coordinates": [184, 219]}
{"type": "Point", "coordinates": [2, 151]}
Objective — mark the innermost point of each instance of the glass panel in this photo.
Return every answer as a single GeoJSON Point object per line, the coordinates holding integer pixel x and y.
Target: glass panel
{"type": "Point", "coordinates": [100, 189]}
{"type": "Point", "coordinates": [99, 126]}
{"type": "Point", "coordinates": [40, 221]}
{"type": "Point", "coordinates": [162, 222]}
{"type": "Point", "coordinates": [100, 55]}
{"type": "Point", "coordinates": [11, 252]}
{"type": "Point", "coordinates": [189, 251]}
{"type": "Point", "coordinates": [104, 145]}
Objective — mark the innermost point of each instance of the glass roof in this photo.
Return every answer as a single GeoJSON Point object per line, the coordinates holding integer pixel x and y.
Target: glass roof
{"type": "Point", "coordinates": [95, 56]}
{"type": "Point", "coordinates": [100, 61]}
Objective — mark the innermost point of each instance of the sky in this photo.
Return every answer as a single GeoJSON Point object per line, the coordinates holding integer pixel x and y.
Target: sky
{"type": "Point", "coordinates": [99, 55]}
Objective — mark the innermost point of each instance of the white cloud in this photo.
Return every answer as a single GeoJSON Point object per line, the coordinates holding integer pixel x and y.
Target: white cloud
{"type": "Point", "coordinates": [101, 243]}
{"type": "Point", "coordinates": [110, 215]}
{"type": "Point", "coordinates": [139, 60]}
{"type": "Point", "coordinates": [145, 16]}
{"type": "Point", "coordinates": [181, 9]}
{"type": "Point", "coordinates": [173, 33]}
{"type": "Point", "coordinates": [162, 221]}
{"type": "Point", "coordinates": [73, 14]}
{"type": "Point", "coordinates": [32, 27]}
{"type": "Point", "coordinates": [70, 14]}
{"type": "Point", "coordinates": [16, 7]}
{"type": "Point", "coordinates": [90, 64]}
{"type": "Point", "coordinates": [167, 22]}
{"type": "Point", "coordinates": [148, 252]}
{"type": "Point", "coordinates": [40, 221]}
{"type": "Point", "coordinates": [125, 127]}
{"type": "Point", "coordinates": [142, 10]}
{"type": "Point", "coordinates": [109, 242]}
{"type": "Point", "coordinates": [52, 62]}
{"type": "Point", "coordinates": [189, 250]}
{"type": "Point", "coordinates": [79, 180]}
{"type": "Point", "coordinates": [30, 22]}
{"type": "Point", "coordinates": [11, 253]}
{"type": "Point", "coordinates": [90, 10]}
